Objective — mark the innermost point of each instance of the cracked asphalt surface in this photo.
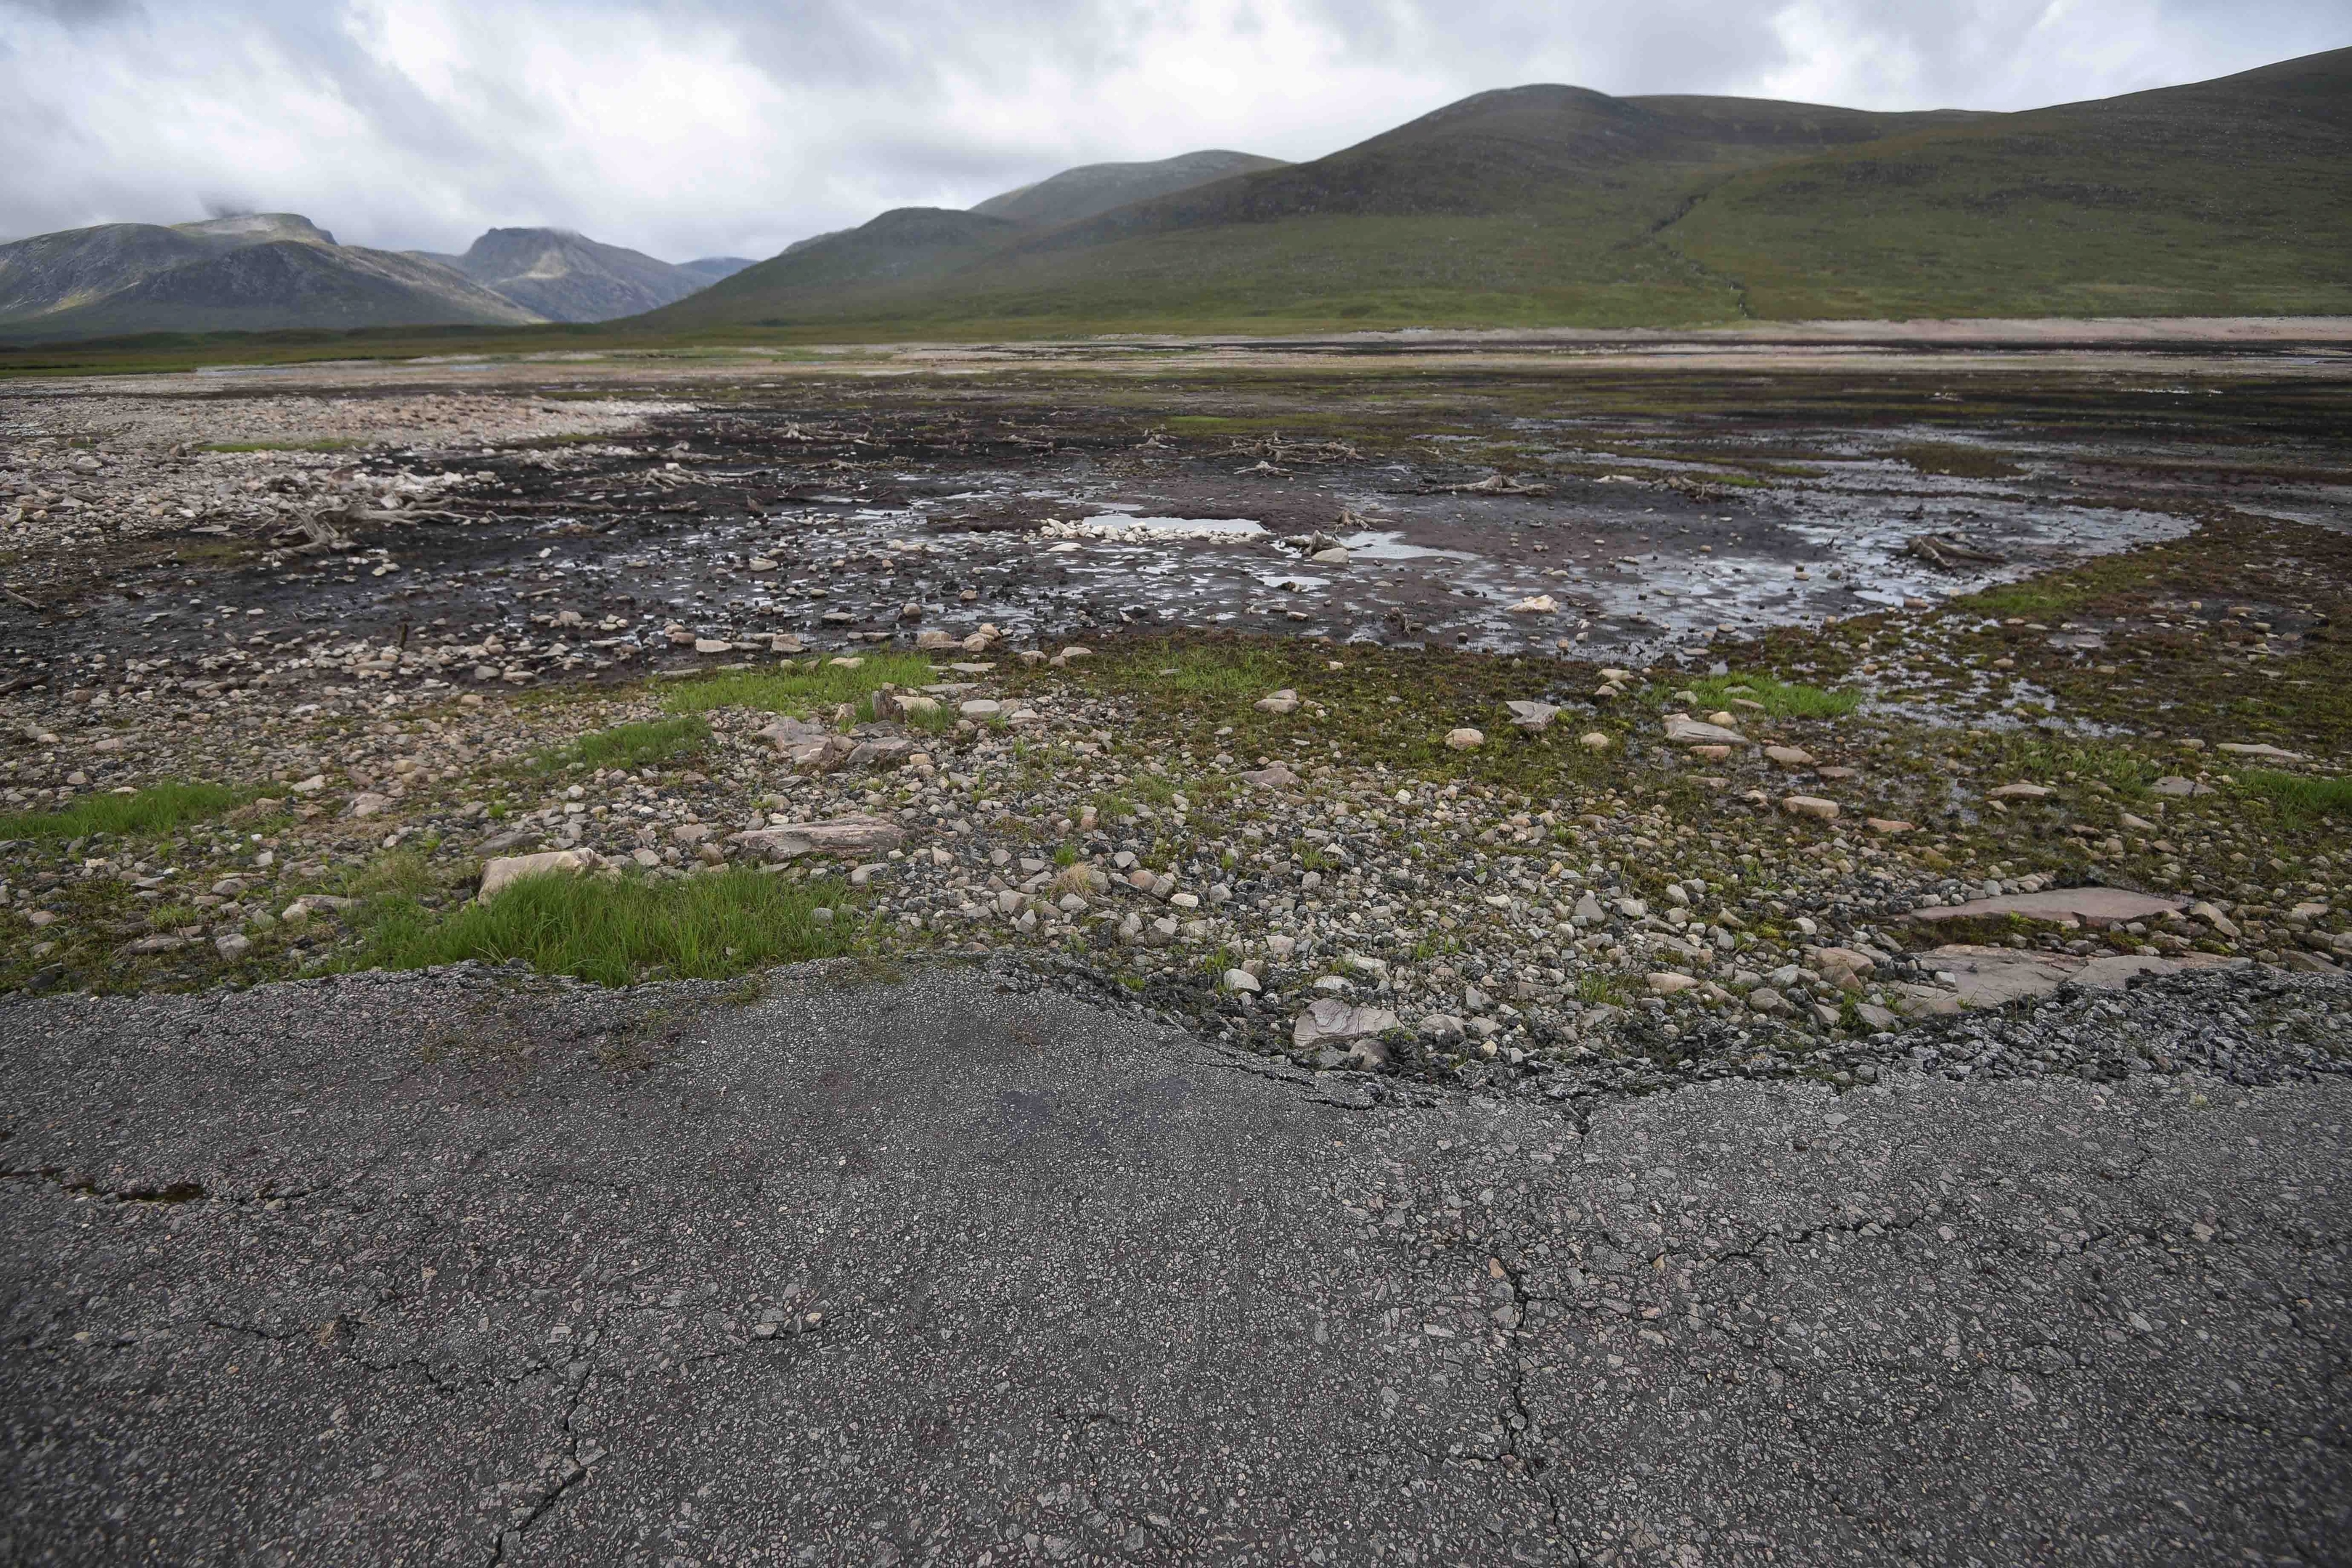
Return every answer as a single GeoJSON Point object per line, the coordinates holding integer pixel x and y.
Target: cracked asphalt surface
{"type": "Point", "coordinates": [459, 1267]}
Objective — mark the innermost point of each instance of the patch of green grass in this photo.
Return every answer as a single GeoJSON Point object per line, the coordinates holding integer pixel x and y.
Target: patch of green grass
{"type": "Point", "coordinates": [1214, 672]}
{"type": "Point", "coordinates": [159, 808]}
{"type": "Point", "coordinates": [2048, 759]}
{"type": "Point", "coordinates": [639, 745]}
{"type": "Point", "coordinates": [1782, 699]}
{"type": "Point", "coordinates": [802, 689]}
{"type": "Point", "coordinates": [402, 874]}
{"type": "Point", "coordinates": [1113, 807]}
{"type": "Point", "coordinates": [616, 931]}
{"type": "Point", "coordinates": [1595, 988]}
{"type": "Point", "coordinates": [2300, 794]}
{"type": "Point", "coordinates": [1157, 788]}
{"type": "Point", "coordinates": [2054, 595]}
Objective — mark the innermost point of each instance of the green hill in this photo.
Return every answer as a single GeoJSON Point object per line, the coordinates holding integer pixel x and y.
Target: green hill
{"type": "Point", "coordinates": [2226, 197]}
{"type": "Point", "coordinates": [1552, 204]}
{"type": "Point", "coordinates": [1091, 188]}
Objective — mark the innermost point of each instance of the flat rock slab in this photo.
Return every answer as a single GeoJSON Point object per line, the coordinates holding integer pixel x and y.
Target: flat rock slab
{"type": "Point", "coordinates": [556, 1275]}
{"type": "Point", "coordinates": [2102, 906]}
{"type": "Point", "coordinates": [1990, 976]}
{"type": "Point", "coordinates": [847, 837]}
{"type": "Point", "coordinates": [1682, 730]}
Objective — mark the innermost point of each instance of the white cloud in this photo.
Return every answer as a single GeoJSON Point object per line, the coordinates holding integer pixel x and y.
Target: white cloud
{"type": "Point", "coordinates": [694, 127]}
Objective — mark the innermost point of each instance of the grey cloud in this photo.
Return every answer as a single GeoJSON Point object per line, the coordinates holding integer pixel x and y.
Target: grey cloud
{"type": "Point", "coordinates": [75, 13]}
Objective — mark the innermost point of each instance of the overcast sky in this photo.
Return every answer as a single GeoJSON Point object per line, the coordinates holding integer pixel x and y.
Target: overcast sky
{"type": "Point", "coordinates": [710, 127]}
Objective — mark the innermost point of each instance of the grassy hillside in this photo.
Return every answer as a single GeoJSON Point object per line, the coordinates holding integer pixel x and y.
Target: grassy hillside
{"type": "Point", "coordinates": [1091, 188]}
{"type": "Point", "coordinates": [1557, 205]}
{"type": "Point", "coordinates": [2226, 197]}
{"type": "Point", "coordinates": [1524, 206]}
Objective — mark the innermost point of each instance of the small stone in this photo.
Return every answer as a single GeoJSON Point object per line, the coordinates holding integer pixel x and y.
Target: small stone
{"type": "Point", "coordinates": [2220, 923]}
{"type": "Point", "coordinates": [1766, 1000]}
{"type": "Point", "coordinates": [980, 707]}
{"type": "Point", "coordinates": [229, 944]}
{"type": "Point", "coordinates": [2022, 791]}
{"type": "Point", "coordinates": [712, 645]}
{"type": "Point", "coordinates": [1789, 756]}
{"type": "Point", "coordinates": [369, 804]}
{"type": "Point", "coordinates": [1809, 805]}
{"type": "Point", "coordinates": [1283, 701]}
{"type": "Point", "coordinates": [1464, 738]}
{"type": "Point", "coordinates": [1886, 825]}
{"type": "Point", "coordinates": [1667, 983]}
{"type": "Point", "coordinates": [1444, 1027]}
{"type": "Point", "coordinates": [1595, 740]}
{"type": "Point", "coordinates": [1535, 605]}
{"type": "Point", "coordinates": [2258, 749]}
{"type": "Point", "coordinates": [1242, 980]}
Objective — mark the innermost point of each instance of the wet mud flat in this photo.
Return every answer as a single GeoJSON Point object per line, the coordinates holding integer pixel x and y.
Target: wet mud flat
{"type": "Point", "coordinates": [1610, 516]}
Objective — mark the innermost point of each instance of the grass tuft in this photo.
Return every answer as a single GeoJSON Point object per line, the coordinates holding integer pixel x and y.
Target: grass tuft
{"type": "Point", "coordinates": [616, 932]}
{"type": "Point", "coordinates": [2045, 758]}
{"type": "Point", "coordinates": [1782, 699]}
{"type": "Point", "coordinates": [638, 745]}
{"type": "Point", "coordinates": [801, 690]}
{"type": "Point", "coordinates": [159, 808]}
{"type": "Point", "coordinates": [2300, 794]}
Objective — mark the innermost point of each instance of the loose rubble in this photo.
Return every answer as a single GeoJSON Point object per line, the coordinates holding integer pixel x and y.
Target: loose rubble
{"type": "Point", "coordinates": [1540, 874]}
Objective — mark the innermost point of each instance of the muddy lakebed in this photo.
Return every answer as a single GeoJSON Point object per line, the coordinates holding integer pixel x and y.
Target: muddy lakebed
{"type": "Point", "coordinates": [842, 514]}
{"type": "Point", "coordinates": [1393, 708]}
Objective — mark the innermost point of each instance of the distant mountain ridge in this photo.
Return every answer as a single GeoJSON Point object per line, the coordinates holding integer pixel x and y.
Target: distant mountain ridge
{"type": "Point", "coordinates": [1092, 188]}
{"type": "Point", "coordinates": [1552, 203]}
{"type": "Point", "coordinates": [1539, 205]}
{"type": "Point", "coordinates": [253, 271]}
{"type": "Point", "coordinates": [566, 277]}
{"type": "Point", "coordinates": [264, 271]}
